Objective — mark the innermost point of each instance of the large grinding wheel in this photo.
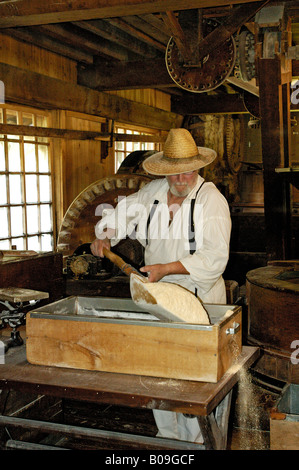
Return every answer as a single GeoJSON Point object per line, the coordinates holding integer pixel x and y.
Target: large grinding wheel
{"type": "Point", "coordinates": [213, 70]}
{"type": "Point", "coordinates": [78, 226]}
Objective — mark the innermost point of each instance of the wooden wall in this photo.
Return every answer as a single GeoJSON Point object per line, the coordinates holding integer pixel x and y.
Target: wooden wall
{"type": "Point", "coordinates": [76, 164]}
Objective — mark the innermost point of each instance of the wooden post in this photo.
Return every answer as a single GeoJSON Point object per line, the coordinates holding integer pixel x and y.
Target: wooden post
{"type": "Point", "coordinates": [274, 110]}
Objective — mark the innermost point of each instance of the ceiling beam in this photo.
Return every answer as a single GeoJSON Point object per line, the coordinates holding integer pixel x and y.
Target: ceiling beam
{"type": "Point", "coordinates": [34, 89]}
{"type": "Point", "coordinates": [202, 103]}
{"type": "Point", "coordinates": [125, 75]}
{"type": "Point", "coordinates": [35, 12]}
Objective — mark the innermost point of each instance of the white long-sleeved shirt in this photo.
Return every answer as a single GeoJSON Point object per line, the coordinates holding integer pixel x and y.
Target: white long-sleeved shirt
{"type": "Point", "coordinates": [169, 240]}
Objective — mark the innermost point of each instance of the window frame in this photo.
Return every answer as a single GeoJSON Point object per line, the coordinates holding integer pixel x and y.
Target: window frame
{"type": "Point", "coordinates": [40, 118]}
{"type": "Point", "coordinates": [134, 130]}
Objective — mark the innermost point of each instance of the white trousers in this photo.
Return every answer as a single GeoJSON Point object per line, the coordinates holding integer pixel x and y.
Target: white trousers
{"type": "Point", "coordinates": [174, 425]}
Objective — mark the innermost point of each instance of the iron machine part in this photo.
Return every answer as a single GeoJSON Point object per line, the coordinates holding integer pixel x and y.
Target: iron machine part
{"type": "Point", "coordinates": [245, 59]}
{"type": "Point", "coordinates": [210, 73]}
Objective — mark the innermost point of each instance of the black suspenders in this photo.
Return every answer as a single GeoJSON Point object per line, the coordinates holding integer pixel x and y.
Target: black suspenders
{"type": "Point", "coordinates": [192, 242]}
{"type": "Point", "coordinates": [151, 215]}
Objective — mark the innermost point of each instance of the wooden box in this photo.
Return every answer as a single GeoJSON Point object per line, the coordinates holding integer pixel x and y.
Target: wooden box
{"type": "Point", "coordinates": [114, 335]}
{"type": "Point", "coordinates": [284, 420]}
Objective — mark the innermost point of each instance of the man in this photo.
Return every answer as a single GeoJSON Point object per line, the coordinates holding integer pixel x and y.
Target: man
{"type": "Point", "coordinates": [184, 225]}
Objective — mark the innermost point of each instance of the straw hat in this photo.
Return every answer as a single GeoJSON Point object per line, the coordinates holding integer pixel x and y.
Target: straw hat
{"type": "Point", "coordinates": [180, 155]}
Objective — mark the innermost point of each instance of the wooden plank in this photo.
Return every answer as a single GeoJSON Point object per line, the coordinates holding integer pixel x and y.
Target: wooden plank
{"type": "Point", "coordinates": [41, 91]}
{"type": "Point", "coordinates": [68, 134]}
{"type": "Point", "coordinates": [106, 30]}
{"type": "Point", "coordinates": [137, 34]}
{"type": "Point", "coordinates": [36, 59]}
{"type": "Point", "coordinates": [31, 12]}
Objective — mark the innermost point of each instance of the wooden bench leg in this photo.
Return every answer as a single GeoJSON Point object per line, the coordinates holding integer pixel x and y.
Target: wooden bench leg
{"type": "Point", "coordinates": [214, 427]}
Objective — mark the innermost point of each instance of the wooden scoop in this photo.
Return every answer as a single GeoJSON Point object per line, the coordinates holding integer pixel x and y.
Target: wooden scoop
{"type": "Point", "coordinates": [139, 293]}
{"type": "Point", "coordinates": [118, 261]}
{"type": "Point", "coordinates": [142, 297]}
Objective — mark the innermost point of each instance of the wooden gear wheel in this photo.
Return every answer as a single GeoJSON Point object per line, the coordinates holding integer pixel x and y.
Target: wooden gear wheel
{"type": "Point", "coordinates": [232, 140]}
{"type": "Point", "coordinates": [78, 225]}
{"type": "Point", "coordinates": [213, 70]}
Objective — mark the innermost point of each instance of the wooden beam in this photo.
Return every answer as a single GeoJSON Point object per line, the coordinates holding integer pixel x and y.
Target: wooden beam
{"type": "Point", "coordinates": [12, 129]}
{"type": "Point", "coordinates": [274, 111]}
{"type": "Point", "coordinates": [35, 12]}
{"type": "Point", "coordinates": [41, 91]}
{"type": "Point", "coordinates": [201, 103]}
{"type": "Point", "coordinates": [172, 23]}
{"type": "Point", "coordinates": [219, 35]}
{"type": "Point", "coordinates": [150, 73]}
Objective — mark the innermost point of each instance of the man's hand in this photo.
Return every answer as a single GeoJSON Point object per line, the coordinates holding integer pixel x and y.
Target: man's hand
{"type": "Point", "coordinates": [155, 271]}
{"type": "Point", "coordinates": [158, 271]}
{"type": "Point", "coordinates": [102, 241]}
{"type": "Point", "coordinates": [97, 246]}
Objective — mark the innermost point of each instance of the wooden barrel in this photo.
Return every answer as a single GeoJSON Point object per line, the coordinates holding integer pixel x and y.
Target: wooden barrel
{"type": "Point", "coordinates": [273, 318]}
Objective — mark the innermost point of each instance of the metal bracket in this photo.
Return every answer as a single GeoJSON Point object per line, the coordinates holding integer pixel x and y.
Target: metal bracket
{"type": "Point", "coordinates": [233, 329]}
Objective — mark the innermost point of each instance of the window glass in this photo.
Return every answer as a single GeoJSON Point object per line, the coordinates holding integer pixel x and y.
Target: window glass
{"type": "Point", "coordinates": [2, 157]}
{"type": "Point", "coordinates": [25, 184]}
{"type": "Point", "coordinates": [12, 118]}
{"type": "Point", "coordinates": [15, 189]}
{"type": "Point", "coordinates": [45, 218]}
{"type": "Point", "coordinates": [4, 222]}
{"type": "Point", "coordinates": [125, 147]}
{"type": "Point", "coordinates": [14, 156]}
{"type": "Point", "coordinates": [3, 190]}
{"type": "Point", "coordinates": [43, 159]}
{"type": "Point", "coordinates": [31, 188]}
{"type": "Point", "coordinates": [32, 219]}
{"type": "Point", "coordinates": [29, 157]}
{"type": "Point", "coordinates": [16, 216]}
{"type": "Point", "coordinates": [45, 188]}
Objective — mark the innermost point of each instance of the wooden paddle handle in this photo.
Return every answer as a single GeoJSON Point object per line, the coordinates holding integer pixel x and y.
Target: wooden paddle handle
{"type": "Point", "coordinates": [118, 261]}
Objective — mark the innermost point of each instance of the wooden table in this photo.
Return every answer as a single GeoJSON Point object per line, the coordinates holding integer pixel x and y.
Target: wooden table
{"type": "Point", "coordinates": [195, 398]}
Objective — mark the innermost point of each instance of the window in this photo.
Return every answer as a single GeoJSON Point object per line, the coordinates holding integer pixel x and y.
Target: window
{"type": "Point", "coordinates": [25, 185]}
{"type": "Point", "coordinates": [124, 148]}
